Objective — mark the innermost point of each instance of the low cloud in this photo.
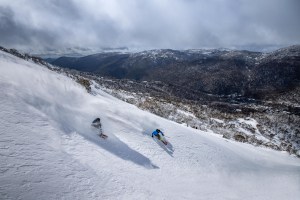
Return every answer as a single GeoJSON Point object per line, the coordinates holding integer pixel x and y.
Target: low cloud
{"type": "Point", "coordinates": [179, 24]}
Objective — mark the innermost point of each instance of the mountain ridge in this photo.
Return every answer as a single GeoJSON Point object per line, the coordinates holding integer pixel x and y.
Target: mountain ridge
{"type": "Point", "coordinates": [220, 72]}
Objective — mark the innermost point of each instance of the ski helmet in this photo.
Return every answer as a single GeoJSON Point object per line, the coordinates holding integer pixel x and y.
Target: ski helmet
{"type": "Point", "coordinates": [97, 120]}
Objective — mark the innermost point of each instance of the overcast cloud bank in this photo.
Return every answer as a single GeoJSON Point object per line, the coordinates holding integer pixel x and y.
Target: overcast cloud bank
{"type": "Point", "coordinates": [178, 24]}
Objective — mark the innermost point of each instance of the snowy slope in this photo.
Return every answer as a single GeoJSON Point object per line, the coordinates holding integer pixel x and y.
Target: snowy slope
{"type": "Point", "coordinates": [48, 149]}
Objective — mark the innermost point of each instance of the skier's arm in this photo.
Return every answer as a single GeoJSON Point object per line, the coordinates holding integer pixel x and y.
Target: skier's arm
{"type": "Point", "coordinates": [152, 134]}
{"type": "Point", "coordinates": [162, 133]}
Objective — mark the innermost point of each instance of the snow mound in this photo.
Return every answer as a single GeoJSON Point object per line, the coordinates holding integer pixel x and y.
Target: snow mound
{"type": "Point", "coordinates": [48, 149]}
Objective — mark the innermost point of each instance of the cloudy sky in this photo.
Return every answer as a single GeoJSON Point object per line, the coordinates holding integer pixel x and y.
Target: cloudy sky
{"type": "Point", "coordinates": [144, 24]}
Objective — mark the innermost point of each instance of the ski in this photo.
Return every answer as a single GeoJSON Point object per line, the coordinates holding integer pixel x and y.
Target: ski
{"type": "Point", "coordinates": [103, 136]}
{"type": "Point", "coordinates": [165, 143]}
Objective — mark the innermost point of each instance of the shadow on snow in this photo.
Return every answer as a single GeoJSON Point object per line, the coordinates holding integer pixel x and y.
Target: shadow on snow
{"type": "Point", "coordinates": [168, 148]}
{"type": "Point", "coordinates": [71, 120]}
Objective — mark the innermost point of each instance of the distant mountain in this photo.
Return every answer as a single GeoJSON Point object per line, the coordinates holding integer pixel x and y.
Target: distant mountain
{"type": "Point", "coordinates": [73, 51]}
{"type": "Point", "coordinates": [106, 64]}
{"type": "Point", "coordinates": [217, 71]}
{"type": "Point", "coordinates": [49, 60]}
{"type": "Point", "coordinates": [277, 71]}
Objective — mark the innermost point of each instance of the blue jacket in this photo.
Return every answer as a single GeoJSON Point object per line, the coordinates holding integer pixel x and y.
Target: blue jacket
{"type": "Point", "coordinates": [156, 133]}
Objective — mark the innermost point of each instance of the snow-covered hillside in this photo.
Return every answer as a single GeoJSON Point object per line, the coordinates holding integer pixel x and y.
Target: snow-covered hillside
{"type": "Point", "coordinates": [48, 149]}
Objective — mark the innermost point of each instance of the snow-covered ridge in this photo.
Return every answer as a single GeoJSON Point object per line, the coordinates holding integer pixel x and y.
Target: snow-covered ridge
{"type": "Point", "coordinates": [49, 151]}
{"type": "Point", "coordinates": [211, 71]}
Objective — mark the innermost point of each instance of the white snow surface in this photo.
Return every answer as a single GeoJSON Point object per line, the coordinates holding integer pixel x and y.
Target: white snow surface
{"type": "Point", "coordinates": [48, 149]}
{"type": "Point", "coordinates": [218, 120]}
{"type": "Point", "coordinates": [250, 121]}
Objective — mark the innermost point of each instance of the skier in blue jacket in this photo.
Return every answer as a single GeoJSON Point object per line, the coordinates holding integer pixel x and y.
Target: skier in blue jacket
{"type": "Point", "coordinates": [156, 133]}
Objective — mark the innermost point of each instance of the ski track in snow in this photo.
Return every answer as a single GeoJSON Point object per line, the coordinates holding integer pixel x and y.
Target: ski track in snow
{"type": "Point", "coordinates": [48, 149]}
